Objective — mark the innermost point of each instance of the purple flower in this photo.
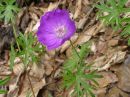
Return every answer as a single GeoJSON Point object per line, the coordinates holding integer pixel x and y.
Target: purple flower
{"type": "Point", "coordinates": [55, 28]}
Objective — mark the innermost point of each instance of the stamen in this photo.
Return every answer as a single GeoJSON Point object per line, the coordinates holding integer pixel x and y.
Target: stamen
{"type": "Point", "coordinates": [60, 31]}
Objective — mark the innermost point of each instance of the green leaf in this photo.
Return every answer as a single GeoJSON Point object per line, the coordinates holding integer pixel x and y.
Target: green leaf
{"type": "Point", "coordinates": [112, 3]}
{"type": "Point", "coordinates": [74, 73]}
{"type": "Point", "coordinates": [11, 2]}
{"type": "Point", "coordinates": [125, 10]}
{"type": "Point", "coordinates": [4, 81]}
{"type": "Point", "coordinates": [122, 2]}
{"type": "Point", "coordinates": [3, 91]}
{"type": "Point", "coordinates": [103, 7]}
{"type": "Point", "coordinates": [92, 76]}
{"type": "Point", "coordinates": [115, 9]}
{"type": "Point", "coordinates": [28, 49]}
{"type": "Point", "coordinates": [126, 30]}
{"type": "Point", "coordinates": [8, 9]}
{"type": "Point", "coordinates": [90, 92]}
{"type": "Point", "coordinates": [84, 51]}
{"type": "Point", "coordinates": [87, 87]}
{"type": "Point", "coordinates": [12, 57]}
{"type": "Point", "coordinates": [127, 20]}
{"type": "Point", "coordinates": [69, 79]}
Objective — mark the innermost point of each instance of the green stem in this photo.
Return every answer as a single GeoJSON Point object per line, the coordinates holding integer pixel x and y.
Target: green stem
{"type": "Point", "coordinates": [15, 36]}
{"type": "Point", "coordinates": [80, 59]}
{"type": "Point", "coordinates": [75, 49]}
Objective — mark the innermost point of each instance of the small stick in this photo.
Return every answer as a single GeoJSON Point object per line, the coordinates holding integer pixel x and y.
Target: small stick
{"type": "Point", "coordinates": [31, 84]}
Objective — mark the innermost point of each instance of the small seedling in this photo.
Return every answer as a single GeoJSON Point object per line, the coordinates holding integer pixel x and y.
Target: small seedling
{"type": "Point", "coordinates": [3, 82]}
{"type": "Point", "coordinates": [74, 74]}
{"type": "Point", "coordinates": [113, 13]}
{"type": "Point", "coordinates": [28, 50]}
{"type": "Point", "coordinates": [8, 9]}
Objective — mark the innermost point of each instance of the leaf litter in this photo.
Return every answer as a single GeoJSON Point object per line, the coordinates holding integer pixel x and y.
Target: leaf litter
{"type": "Point", "coordinates": [109, 55]}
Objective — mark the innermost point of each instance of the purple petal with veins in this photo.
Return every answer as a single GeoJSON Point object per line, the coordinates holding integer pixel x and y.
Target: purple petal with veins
{"type": "Point", "coordinates": [55, 28]}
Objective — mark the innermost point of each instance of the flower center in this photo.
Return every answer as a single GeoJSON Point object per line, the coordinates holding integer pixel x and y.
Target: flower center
{"type": "Point", "coordinates": [60, 31]}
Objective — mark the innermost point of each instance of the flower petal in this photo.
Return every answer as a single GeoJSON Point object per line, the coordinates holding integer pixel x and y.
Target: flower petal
{"type": "Point", "coordinates": [56, 17]}
{"type": "Point", "coordinates": [71, 29]}
{"type": "Point", "coordinates": [50, 22]}
{"type": "Point", "coordinates": [58, 42]}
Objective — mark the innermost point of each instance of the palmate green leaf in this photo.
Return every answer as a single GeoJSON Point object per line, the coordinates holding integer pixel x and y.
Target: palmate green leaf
{"type": "Point", "coordinates": [74, 73]}
{"type": "Point", "coordinates": [91, 93]}
{"type": "Point", "coordinates": [69, 79]}
{"type": "Point", "coordinates": [2, 8]}
{"type": "Point", "coordinates": [8, 10]}
{"type": "Point", "coordinates": [103, 8]}
{"type": "Point", "coordinates": [91, 76]}
{"type": "Point", "coordinates": [88, 88]}
{"type": "Point", "coordinates": [78, 86]}
{"type": "Point", "coordinates": [29, 50]}
{"type": "Point", "coordinates": [78, 89]}
{"type": "Point", "coordinates": [84, 51]}
{"type": "Point", "coordinates": [4, 81]}
{"type": "Point", "coordinates": [121, 3]}
{"type": "Point", "coordinates": [112, 3]}
{"type": "Point", "coordinates": [126, 30]}
{"type": "Point", "coordinates": [95, 82]}
{"type": "Point", "coordinates": [106, 18]}
{"type": "Point", "coordinates": [11, 2]}
{"type": "Point", "coordinates": [125, 20]}
{"type": "Point", "coordinates": [113, 18]}
{"type": "Point", "coordinates": [75, 60]}
{"type": "Point", "coordinates": [3, 91]}
{"type": "Point", "coordinates": [8, 2]}
{"type": "Point", "coordinates": [70, 64]}
{"type": "Point", "coordinates": [125, 10]}
{"type": "Point", "coordinates": [21, 42]}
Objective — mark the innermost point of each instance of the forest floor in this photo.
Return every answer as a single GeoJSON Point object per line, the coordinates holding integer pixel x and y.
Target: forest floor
{"type": "Point", "coordinates": [110, 54]}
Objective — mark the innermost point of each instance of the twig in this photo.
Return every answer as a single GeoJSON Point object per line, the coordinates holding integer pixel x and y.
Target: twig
{"type": "Point", "coordinates": [10, 74]}
{"type": "Point", "coordinates": [31, 84]}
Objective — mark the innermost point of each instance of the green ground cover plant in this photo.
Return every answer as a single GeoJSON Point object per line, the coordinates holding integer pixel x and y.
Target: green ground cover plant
{"type": "Point", "coordinates": [113, 13]}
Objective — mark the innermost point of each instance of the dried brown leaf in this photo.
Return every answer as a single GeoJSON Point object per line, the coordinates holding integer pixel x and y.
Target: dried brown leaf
{"type": "Point", "coordinates": [115, 92]}
{"type": "Point", "coordinates": [105, 62]}
{"type": "Point", "coordinates": [37, 85]}
{"type": "Point", "coordinates": [18, 68]}
{"type": "Point", "coordinates": [108, 78]}
{"type": "Point", "coordinates": [52, 6]}
{"type": "Point", "coordinates": [123, 73]}
{"type": "Point", "coordinates": [78, 9]}
{"type": "Point", "coordinates": [113, 42]}
{"type": "Point", "coordinates": [86, 36]}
